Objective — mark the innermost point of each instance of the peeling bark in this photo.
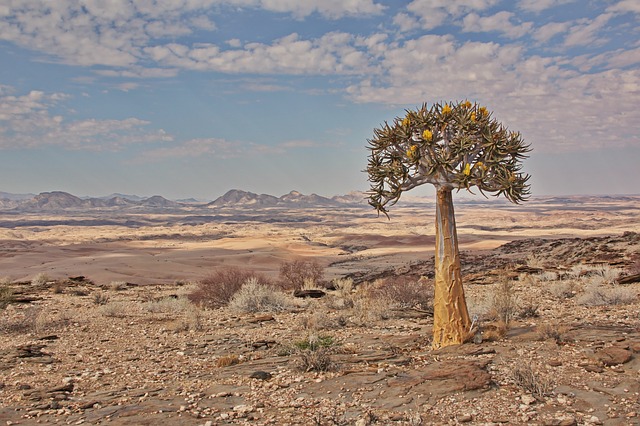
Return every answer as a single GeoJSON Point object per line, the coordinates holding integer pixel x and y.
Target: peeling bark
{"type": "Point", "coordinates": [451, 322]}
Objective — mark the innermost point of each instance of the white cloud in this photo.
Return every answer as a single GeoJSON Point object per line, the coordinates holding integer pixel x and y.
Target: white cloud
{"type": "Point", "coordinates": [432, 13]}
{"type": "Point", "coordinates": [546, 32]}
{"type": "Point", "coordinates": [587, 31]}
{"type": "Point", "coordinates": [555, 106]}
{"type": "Point", "coordinates": [499, 22]}
{"type": "Point", "coordinates": [625, 6]}
{"type": "Point", "coordinates": [115, 33]}
{"type": "Point", "coordinates": [330, 8]}
{"type": "Point", "coordinates": [541, 5]}
{"type": "Point", "coordinates": [26, 122]}
{"type": "Point", "coordinates": [333, 53]}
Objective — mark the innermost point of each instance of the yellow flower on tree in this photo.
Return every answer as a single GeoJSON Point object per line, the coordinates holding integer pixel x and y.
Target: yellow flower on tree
{"type": "Point", "coordinates": [481, 165]}
{"type": "Point", "coordinates": [446, 109]}
{"type": "Point", "coordinates": [473, 117]}
{"type": "Point", "coordinates": [406, 122]}
{"type": "Point", "coordinates": [467, 169]}
{"type": "Point", "coordinates": [467, 104]}
{"type": "Point", "coordinates": [427, 135]}
{"type": "Point", "coordinates": [483, 110]}
{"type": "Point", "coordinates": [412, 152]}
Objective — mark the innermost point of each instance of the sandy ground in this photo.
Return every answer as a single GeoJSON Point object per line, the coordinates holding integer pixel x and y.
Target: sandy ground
{"type": "Point", "coordinates": [162, 248]}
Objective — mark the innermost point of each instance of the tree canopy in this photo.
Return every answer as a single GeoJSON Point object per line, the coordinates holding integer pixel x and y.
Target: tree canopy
{"type": "Point", "coordinates": [454, 145]}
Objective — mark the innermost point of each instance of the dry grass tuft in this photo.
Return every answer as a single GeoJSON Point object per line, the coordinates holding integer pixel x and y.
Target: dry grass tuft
{"type": "Point", "coordinates": [553, 331]}
{"type": "Point", "coordinates": [40, 279]}
{"type": "Point", "coordinates": [318, 360]}
{"type": "Point", "coordinates": [256, 297]}
{"type": "Point", "coordinates": [596, 295]}
{"type": "Point", "coordinates": [228, 360]}
{"type": "Point", "coordinates": [529, 378]}
{"type": "Point", "coordinates": [504, 303]}
{"type": "Point", "coordinates": [6, 295]}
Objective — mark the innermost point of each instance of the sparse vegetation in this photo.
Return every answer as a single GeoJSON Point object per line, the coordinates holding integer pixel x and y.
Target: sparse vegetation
{"type": "Point", "coordinates": [295, 274]}
{"type": "Point", "coordinates": [218, 289]}
{"type": "Point", "coordinates": [6, 294]}
{"type": "Point", "coordinates": [599, 295]}
{"type": "Point", "coordinates": [552, 330]}
{"type": "Point", "coordinates": [254, 296]}
{"type": "Point", "coordinates": [117, 285]}
{"type": "Point", "coordinates": [119, 309]}
{"type": "Point", "coordinates": [504, 304]}
{"type": "Point", "coordinates": [405, 292]}
{"type": "Point", "coordinates": [167, 305]}
{"type": "Point", "coordinates": [532, 380]}
{"type": "Point", "coordinates": [228, 360]}
{"type": "Point", "coordinates": [40, 279]}
{"type": "Point", "coordinates": [318, 360]}
{"type": "Point", "coordinates": [100, 298]}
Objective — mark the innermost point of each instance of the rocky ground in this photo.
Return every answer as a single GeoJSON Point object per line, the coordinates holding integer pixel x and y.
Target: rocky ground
{"type": "Point", "coordinates": [73, 352]}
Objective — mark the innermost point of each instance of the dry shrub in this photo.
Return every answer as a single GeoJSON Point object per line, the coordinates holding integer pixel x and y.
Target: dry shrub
{"type": "Point", "coordinates": [343, 296]}
{"type": "Point", "coordinates": [529, 378]}
{"type": "Point", "coordinates": [634, 266]}
{"type": "Point", "coordinates": [167, 305]}
{"type": "Point", "coordinates": [228, 360]}
{"type": "Point", "coordinates": [26, 321]}
{"type": "Point", "coordinates": [254, 296]}
{"type": "Point", "coordinates": [294, 274]}
{"type": "Point", "coordinates": [504, 303]}
{"type": "Point", "coordinates": [318, 360]}
{"type": "Point", "coordinates": [100, 298]}
{"type": "Point", "coordinates": [6, 295]}
{"type": "Point", "coordinates": [565, 289]}
{"type": "Point", "coordinates": [190, 321]}
{"type": "Point", "coordinates": [492, 332]}
{"type": "Point", "coordinates": [40, 279]}
{"type": "Point", "coordinates": [218, 289]}
{"type": "Point", "coordinates": [597, 295]}
{"type": "Point", "coordinates": [604, 274]}
{"type": "Point", "coordinates": [552, 331]}
{"type": "Point", "coordinates": [404, 292]}
{"type": "Point", "coordinates": [117, 309]}
{"type": "Point", "coordinates": [118, 285]}
{"type": "Point", "coordinates": [369, 306]}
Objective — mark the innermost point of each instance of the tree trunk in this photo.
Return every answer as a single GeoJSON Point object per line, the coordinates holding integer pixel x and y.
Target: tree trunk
{"type": "Point", "coordinates": [451, 321]}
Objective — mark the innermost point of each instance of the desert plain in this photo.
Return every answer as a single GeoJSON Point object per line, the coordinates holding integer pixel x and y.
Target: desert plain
{"type": "Point", "coordinates": [99, 327]}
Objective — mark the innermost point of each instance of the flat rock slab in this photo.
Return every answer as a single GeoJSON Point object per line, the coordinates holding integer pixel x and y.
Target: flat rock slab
{"type": "Point", "coordinates": [613, 356]}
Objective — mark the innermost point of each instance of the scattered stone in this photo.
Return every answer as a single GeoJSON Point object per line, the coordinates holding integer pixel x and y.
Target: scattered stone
{"type": "Point", "coordinates": [464, 418]}
{"type": "Point", "coordinates": [312, 293]}
{"type": "Point", "coordinates": [528, 399]}
{"type": "Point", "coordinates": [629, 279]}
{"type": "Point", "coordinates": [613, 356]}
{"type": "Point", "coordinates": [593, 368]}
{"type": "Point", "coordinates": [260, 375]}
{"type": "Point", "coordinates": [261, 318]}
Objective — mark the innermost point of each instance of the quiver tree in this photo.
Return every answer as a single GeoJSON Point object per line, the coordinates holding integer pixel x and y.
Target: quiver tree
{"type": "Point", "coordinates": [452, 146]}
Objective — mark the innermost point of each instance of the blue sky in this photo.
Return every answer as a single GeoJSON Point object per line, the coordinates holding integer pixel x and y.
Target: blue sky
{"type": "Point", "coordinates": [190, 98]}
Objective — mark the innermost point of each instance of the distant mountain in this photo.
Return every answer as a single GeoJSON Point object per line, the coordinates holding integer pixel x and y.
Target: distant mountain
{"type": "Point", "coordinates": [9, 196]}
{"type": "Point", "coordinates": [158, 201]}
{"type": "Point", "coordinates": [122, 196]}
{"type": "Point", "coordinates": [238, 198]}
{"type": "Point", "coordinates": [299, 199]}
{"type": "Point", "coordinates": [58, 200]}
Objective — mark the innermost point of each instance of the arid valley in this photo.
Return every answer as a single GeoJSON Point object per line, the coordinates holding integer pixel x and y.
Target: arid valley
{"type": "Point", "coordinates": [100, 325]}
